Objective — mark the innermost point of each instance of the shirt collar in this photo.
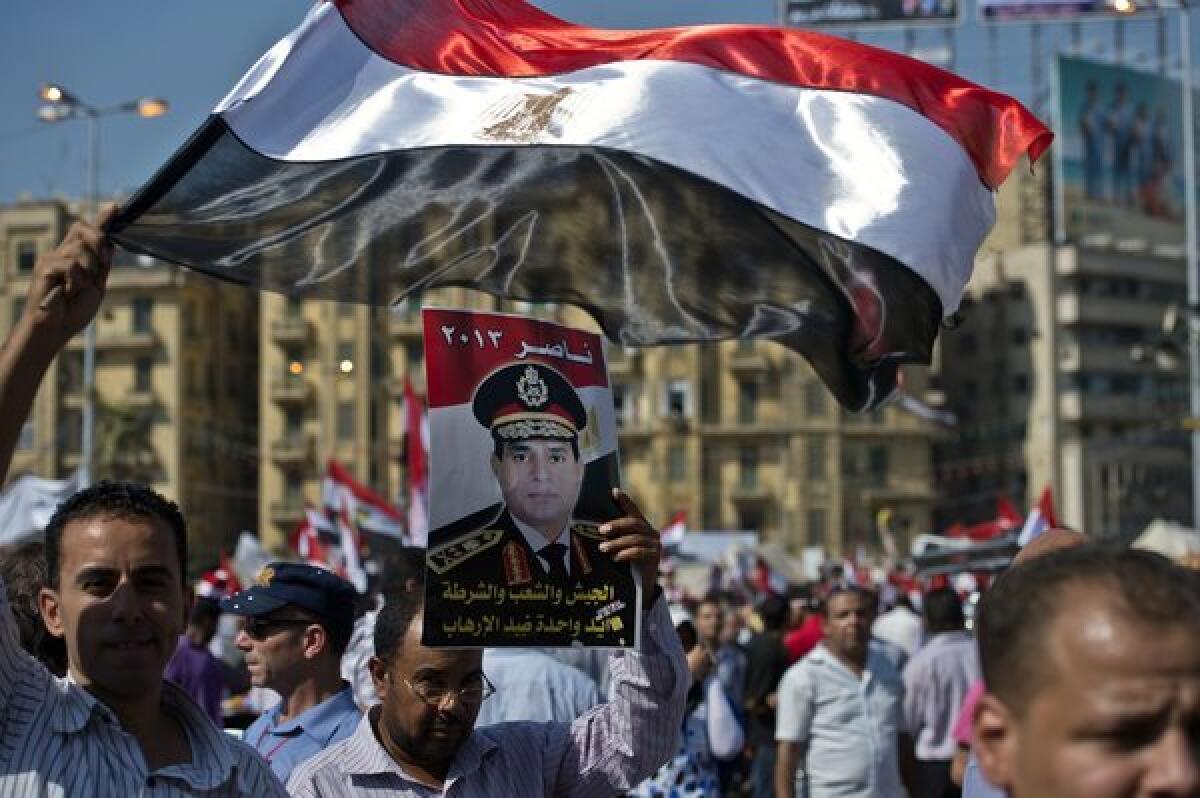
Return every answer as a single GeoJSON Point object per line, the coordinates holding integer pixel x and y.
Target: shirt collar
{"type": "Point", "coordinates": [537, 541]}
{"type": "Point", "coordinates": [371, 758]}
{"type": "Point", "coordinates": [212, 761]}
{"type": "Point", "coordinates": [320, 722]}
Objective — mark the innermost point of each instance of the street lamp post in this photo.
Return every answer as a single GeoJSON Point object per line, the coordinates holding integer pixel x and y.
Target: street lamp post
{"type": "Point", "coordinates": [1189, 243]}
{"type": "Point", "coordinates": [61, 105]}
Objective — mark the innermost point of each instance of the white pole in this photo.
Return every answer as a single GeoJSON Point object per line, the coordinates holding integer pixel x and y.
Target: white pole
{"type": "Point", "coordinates": [88, 442]}
{"type": "Point", "coordinates": [1193, 280]}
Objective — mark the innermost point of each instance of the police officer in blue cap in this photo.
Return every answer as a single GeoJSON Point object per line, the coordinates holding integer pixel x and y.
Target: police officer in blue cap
{"type": "Point", "coordinates": [298, 621]}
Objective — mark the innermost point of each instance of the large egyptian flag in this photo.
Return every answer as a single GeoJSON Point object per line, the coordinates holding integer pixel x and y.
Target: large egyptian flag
{"type": "Point", "coordinates": [683, 184]}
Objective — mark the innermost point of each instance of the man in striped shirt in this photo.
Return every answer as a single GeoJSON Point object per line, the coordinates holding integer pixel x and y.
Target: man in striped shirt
{"type": "Point", "coordinates": [420, 740]}
{"type": "Point", "coordinates": [115, 556]}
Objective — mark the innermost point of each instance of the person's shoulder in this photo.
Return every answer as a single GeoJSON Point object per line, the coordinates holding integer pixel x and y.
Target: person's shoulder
{"type": "Point", "coordinates": [254, 776]}
{"type": "Point", "coordinates": [519, 738]}
{"type": "Point", "coordinates": [325, 765]}
{"type": "Point", "coordinates": [466, 548]}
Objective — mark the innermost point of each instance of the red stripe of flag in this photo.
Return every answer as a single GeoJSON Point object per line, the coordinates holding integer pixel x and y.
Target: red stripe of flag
{"type": "Point", "coordinates": [505, 38]}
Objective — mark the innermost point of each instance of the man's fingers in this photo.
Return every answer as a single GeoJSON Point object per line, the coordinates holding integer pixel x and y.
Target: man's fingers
{"type": "Point", "coordinates": [627, 505]}
{"type": "Point", "coordinates": [627, 526]}
{"type": "Point", "coordinates": [621, 545]}
{"type": "Point", "coordinates": [106, 215]}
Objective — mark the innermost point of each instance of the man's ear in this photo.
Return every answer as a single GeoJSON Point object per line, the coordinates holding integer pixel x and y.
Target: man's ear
{"type": "Point", "coordinates": [379, 669]}
{"type": "Point", "coordinates": [994, 740]}
{"type": "Point", "coordinates": [495, 461]}
{"type": "Point", "coordinates": [51, 609]}
{"type": "Point", "coordinates": [316, 640]}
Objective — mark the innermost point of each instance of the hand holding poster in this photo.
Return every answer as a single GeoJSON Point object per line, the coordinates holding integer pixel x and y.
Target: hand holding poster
{"type": "Point", "coordinates": [523, 460]}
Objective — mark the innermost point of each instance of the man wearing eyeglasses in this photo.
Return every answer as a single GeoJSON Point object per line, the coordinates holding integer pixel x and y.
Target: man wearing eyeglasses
{"type": "Point", "coordinates": [298, 621]}
{"type": "Point", "coordinates": [421, 740]}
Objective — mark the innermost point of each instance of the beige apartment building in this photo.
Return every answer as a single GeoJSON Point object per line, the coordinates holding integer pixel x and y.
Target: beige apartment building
{"type": "Point", "coordinates": [1054, 379]}
{"type": "Point", "coordinates": [738, 435]}
{"type": "Point", "coordinates": [176, 383]}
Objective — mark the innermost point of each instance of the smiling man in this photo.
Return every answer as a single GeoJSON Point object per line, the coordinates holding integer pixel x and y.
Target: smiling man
{"type": "Point", "coordinates": [116, 554]}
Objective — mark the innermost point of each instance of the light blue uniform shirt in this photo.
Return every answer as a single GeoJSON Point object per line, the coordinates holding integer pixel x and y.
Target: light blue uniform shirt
{"type": "Point", "coordinates": [531, 685]}
{"type": "Point", "coordinates": [285, 746]}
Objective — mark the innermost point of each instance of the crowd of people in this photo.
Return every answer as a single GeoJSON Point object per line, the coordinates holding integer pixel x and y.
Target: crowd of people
{"type": "Point", "coordinates": [1079, 676]}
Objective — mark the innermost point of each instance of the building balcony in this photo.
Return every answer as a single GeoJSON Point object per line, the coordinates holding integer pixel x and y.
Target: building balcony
{"type": "Point", "coordinates": [748, 361]}
{"type": "Point", "coordinates": [289, 390]}
{"type": "Point", "coordinates": [1107, 358]}
{"type": "Point", "coordinates": [403, 325]}
{"type": "Point", "coordinates": [747, 492]}
{"type": "Point", "coordinates": [287, 511]}
{"type": "Point", "coordinates": [293, 451]}
{"type": "Point", "coordinates": [290, 330]}
{"type": "Point", "coordinates": [118, 342]}
{"type": "Point", "coordinates": [1076, 309]}
{"type": "Point", "coordinates": [1076, 406]}
{"type": "Point", "coordinates": [140, 398]}
{"type": "Point", "coordinates": [634, 429]}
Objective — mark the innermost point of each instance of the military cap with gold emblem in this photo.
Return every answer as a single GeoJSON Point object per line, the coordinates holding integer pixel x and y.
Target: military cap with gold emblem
{"type": "Point", "coordinates": [529, 401]}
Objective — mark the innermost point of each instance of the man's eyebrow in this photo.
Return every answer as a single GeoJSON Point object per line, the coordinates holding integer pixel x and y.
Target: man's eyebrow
{"type": "Point", "coordinates": [94, 572]}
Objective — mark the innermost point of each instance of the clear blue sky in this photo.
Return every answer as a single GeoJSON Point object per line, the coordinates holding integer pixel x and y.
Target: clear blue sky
{"type": "Point", "coordinates": [192, 52]}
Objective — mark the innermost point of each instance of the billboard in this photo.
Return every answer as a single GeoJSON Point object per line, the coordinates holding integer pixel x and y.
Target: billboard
{"type": "Point", "coordinates": [809, 13]}
{"type": "Point", "coordinates": [1119, 156]}
{"type": "Point", "coordinates": [1024, 10]}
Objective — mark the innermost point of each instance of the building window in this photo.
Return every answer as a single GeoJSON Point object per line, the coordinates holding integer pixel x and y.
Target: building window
{"type": "Point", "coordinates": [345, 421]}
{"type": "Point", "coordinates": [143, 370]}
{"type": "Point", "coordinates": [1020, 384]}
{"type": "Point", "coordinates": [878, 464]}
{"type": "Point", "coordinates": [679, 399]}
{"type": "Point", "coordinates": [294, 307]}
{"type": "Point", "coordinates": [143, 308]}
{"type": "Point", "coordinates": [676, 462]}
{"type": "Point", "coordinates": [747, 402]}
{"type": "Point", "coordinates": [345, 357]}
{"type": "Point", "coordinates": [816, 458]}
{"type": "Point", "coordinates": [816, 527]}
{"type": "Point", "coordinates": [26, 438]}
{"type": "Point", "coordinates": [293, 423]}
{"type": "Point", "coordinates": [414, 355]}
{"type": "Point", "coordinates": [750, 520]}
{"type": "Point", "coordinates": [346, 310]}
{"type": "Point", "coordinates": [26, 255]}
{"type": "Point", "coordinates": [292, 497]}
{"type": "Point", "coordinates": [814, 399]}
{"type": "Point", "coordinates": [748, 468]}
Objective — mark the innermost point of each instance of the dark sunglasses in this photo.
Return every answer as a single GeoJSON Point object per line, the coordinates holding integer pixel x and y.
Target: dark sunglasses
{"type": "Point", "coordinates": [262, 628]}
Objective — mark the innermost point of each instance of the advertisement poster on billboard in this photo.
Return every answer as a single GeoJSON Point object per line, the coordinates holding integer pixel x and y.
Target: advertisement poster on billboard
{"type": "Point", "coordinates": [1119, 156]}
{"type": "Point", "coordinates": [1026, 10]}
{"type": "Point", "coordinates": [523, 460]}
{"type": "Point", "coordinates": [813, 13]}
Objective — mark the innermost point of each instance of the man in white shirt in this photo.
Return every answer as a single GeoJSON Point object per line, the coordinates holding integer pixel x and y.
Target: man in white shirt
{"type": "Point", "coordinates": [116, 557]}
{"type": "Point", "coordinates": [839, 715]}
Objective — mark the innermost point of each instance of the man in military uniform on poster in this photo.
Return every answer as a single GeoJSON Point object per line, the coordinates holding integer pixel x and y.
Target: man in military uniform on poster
{"type": "Point", "coordinates": [532, 541]}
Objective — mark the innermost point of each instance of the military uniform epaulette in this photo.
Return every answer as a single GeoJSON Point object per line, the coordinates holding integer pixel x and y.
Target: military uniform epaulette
{"type": "Point", "coordinates": [456, 552]}
{"type": "Point", "coordinates": [587, 529]}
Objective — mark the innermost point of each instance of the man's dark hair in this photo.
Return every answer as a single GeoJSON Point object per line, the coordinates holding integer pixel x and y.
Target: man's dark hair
{"type": "Point", "coordinates": [393, 621]}
{"type": "Point", "coordinates": [870, 596]}
{"type": "Point", "coordinates": [205, 611]}
{"type": "Point", "coordinates": [111, 499]}
{"type": "Point", "coordinates": [1015, 616]}
{"type": "Point", "coordinates": [401, 566]}
{"type": "Point", "coordinates": [943, 611]}
{"type": "Point", "coordinates": [774, 613]}
{"type": "Point", "coordinates": [23, 569]}
{"type": "Point", "coordinates": [498, 445]}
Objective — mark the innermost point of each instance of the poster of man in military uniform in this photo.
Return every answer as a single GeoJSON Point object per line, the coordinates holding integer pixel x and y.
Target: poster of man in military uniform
{"type": "Point", "coordinates": [523, 460]}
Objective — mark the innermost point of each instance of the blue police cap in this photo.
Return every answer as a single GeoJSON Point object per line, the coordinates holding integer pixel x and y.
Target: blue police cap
{"type": "Point", "coordinates": [309, 587]}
